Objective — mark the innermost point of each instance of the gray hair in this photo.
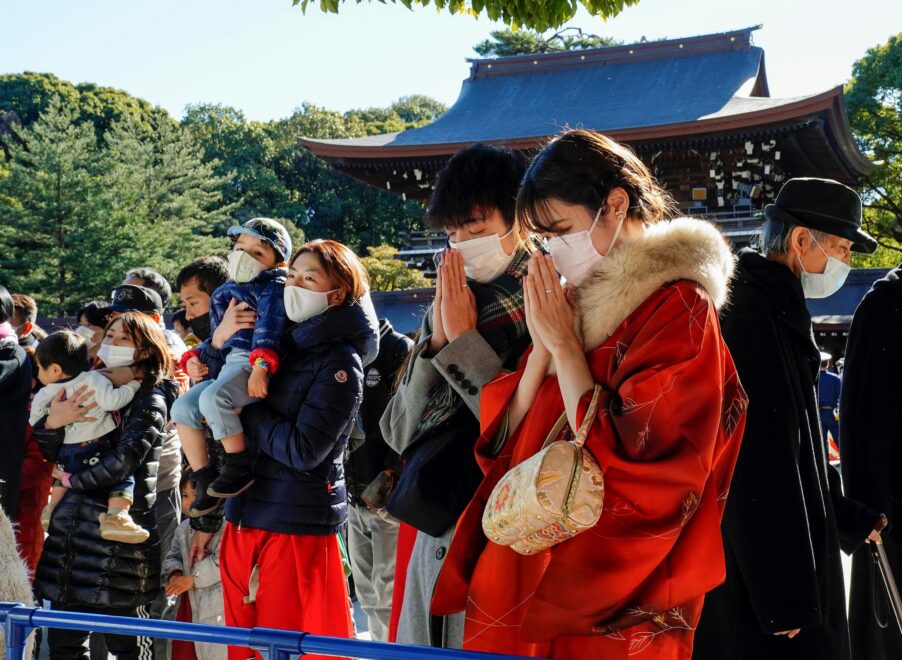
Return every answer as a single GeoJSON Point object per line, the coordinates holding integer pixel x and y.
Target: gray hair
{"type": "Point", "coordinates": [152, 280]}
{"type": "Point", "coordinates": [773, 237]}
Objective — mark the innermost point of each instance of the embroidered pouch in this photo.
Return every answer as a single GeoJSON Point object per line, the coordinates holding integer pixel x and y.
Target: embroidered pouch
{"type": "Point", "coordinates": [550, 497]}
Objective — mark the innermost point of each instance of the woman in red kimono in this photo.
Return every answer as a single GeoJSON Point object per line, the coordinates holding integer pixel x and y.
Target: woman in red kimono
{"type": "Point", "coordinates": [639, 319]}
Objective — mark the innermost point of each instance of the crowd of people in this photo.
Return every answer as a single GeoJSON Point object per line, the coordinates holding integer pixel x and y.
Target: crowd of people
{"type": "Point", "coordinates": [604, 441]}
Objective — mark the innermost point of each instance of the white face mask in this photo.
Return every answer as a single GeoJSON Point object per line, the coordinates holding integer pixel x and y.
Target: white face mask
{"type": "Point", "coordinates": [243, 267]}
{"type": "Point", "coordinates": [116, 356]}
{"type": "Point", "coordinates": [575, 256]}
{"type": "Point", "coordinates": [87, 334]}
{"type": "Point", "coordinates": [484, 258]}
{"type": "Point", "coordinates": [302, 304]}
{"type": "Point", "coordinates": [823, 285]}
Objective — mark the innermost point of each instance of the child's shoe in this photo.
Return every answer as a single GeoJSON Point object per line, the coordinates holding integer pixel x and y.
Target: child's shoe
{"type": "Point", "coordinates": [203, 503]}
{"type": "Point", "coordinates": [46, 515]}
{"type": "Point", "coordinates": [236, 476]}
{"type": "Point", "coordinates": [120, 527]}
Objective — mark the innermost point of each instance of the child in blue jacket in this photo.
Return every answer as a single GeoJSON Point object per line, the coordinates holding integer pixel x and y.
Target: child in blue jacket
{"type": "Point", "coordinates": [237, 372]}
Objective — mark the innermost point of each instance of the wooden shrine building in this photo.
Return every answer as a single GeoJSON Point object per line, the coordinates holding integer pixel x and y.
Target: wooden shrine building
{"type": "Point", "coordinates": [697, 110]}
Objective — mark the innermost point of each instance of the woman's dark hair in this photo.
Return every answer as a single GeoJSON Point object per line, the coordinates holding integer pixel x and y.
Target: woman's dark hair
{"type": "Point", "coordinates": [66, 349]}
{"type": "Point", "coordinates": [210, 273]}
{"type": "Point", "coordinates": [6, 305]}
{"type": "Point", "coordinates": [340, 263]}
{"type": "Point", "coordinates": [148, 338]}
{"type": "Point", "coordinates": [478, 177]}
{"type": "Point", "coordinates": [583, 167]}
{"type": "Point", "coordinates": [96, 313]}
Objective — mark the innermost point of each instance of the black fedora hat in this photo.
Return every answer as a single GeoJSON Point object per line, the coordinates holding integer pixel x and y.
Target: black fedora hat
{"type": "Point", "coordinates": [825, 205]}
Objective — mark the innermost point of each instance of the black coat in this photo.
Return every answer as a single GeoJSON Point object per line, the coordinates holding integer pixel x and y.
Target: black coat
{"type": "Point", "coordinates": [785, 508]}
{"type": "Point", "coordinates": [15, 388]}
{"type": "Point", "coordinates": [871, 451]}
{"type": "Point", "coordinates": [299, 432]}
{"type": "Point", "coordinates": [78, 567]}
{"type": "Point", "coordinates": [373, 455]}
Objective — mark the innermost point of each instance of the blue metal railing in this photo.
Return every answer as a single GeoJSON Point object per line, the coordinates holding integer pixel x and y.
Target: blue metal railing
{"type": "Point", "coordinates": [19, 620]}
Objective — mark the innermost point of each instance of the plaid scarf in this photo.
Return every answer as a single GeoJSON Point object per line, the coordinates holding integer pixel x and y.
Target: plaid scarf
{"type": "Point", "coordinates": [501, 322]}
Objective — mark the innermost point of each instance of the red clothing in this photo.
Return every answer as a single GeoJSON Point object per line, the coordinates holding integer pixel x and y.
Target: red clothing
{"type": "Point", "coordinates": [666, 436]}
{"type": "Point", "coordinates": [301, 585]}
{"type": "Point", "coordinates": [182, 650]}
{"type": "Point", "coordinates": [33, 496]}
{"type": "Point", "coordinates": [407, 536]}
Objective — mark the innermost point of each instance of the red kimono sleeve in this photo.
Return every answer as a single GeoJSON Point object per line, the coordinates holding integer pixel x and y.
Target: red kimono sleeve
{"type": "Point", "coordinates": [660, 440]}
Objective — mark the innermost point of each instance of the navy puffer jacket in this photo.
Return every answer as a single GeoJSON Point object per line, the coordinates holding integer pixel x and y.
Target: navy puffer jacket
{"type": "Point", "coordinates": [265, 294]}
{"type": "Point", "coordinates": [299, 432]}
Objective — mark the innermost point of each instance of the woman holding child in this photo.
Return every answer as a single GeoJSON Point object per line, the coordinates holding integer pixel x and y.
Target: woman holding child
{"type": "Point", "coordinates": [280, 545]}
{"type": "Point", "coordinates": [629, 355]}
{"type": "Point", "coordinates": [79, 570]}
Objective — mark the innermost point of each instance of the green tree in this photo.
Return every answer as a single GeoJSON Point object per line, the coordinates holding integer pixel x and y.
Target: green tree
{"type": "Point", "coordinates": [503, 43]}
{"type": "Point", "coordinates": [49, 228]}
{"type": "Point", "coordinates": [874, 101]}
{"type": "Point", "coordinates": [539, 15]}
{"type": "Point", "coordinates": [242, 152]}
{"type": "Point", "coordinates": [390, 274]}
{"type": "Point", "coordinates": [29, 94]}
{"type": "Point", "coordinates": [418, 110]}
{"type": "Point", "coordinates": [160, 199]}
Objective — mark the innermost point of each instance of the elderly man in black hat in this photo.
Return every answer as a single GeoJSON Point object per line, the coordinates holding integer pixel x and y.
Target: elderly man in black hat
{"type": "Point", "coordinates": [786, 517]}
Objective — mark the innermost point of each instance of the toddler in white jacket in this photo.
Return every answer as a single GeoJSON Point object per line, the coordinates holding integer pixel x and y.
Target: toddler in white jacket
{"type": "Point", "coordinates": [63, 365]}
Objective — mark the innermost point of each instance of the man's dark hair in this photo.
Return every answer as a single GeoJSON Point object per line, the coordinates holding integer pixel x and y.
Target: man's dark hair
{"type": "Point", "coordinates": [151, 279]}
{"type": "Point", "coordinates": [6, 305]}
{"type": "Point", "coordinates": [25, 308]}
{"type": "Point", "coordinates": [210, 273]}
{"type": "Point", "coordinates": [478, 177]}
{"type": "Point", "coordinates": [66, 349]}
{"type": "Point", "coordinates": [96, 313]}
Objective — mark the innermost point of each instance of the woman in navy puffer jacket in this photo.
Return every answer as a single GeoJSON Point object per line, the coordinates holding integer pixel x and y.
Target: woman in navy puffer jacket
{"type": "Point", "coordinates": [280, 560]}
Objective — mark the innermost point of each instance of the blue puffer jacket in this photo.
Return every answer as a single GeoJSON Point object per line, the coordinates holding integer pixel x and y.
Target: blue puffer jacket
{"type": "Point", "coordinates": [299, 432]}
{"type": "Point", "coordinates": [265, 295]}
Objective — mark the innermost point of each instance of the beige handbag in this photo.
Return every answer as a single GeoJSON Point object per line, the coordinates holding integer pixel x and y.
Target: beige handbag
{"type": "Point", "coordinates": [550, 497]}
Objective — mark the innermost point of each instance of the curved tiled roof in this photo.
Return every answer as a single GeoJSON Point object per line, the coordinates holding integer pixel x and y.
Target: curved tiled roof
{"type": "Point", "coordinates": [609, 89]}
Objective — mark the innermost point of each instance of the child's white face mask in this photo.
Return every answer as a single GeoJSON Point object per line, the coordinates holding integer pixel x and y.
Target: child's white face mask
{"type": "Point", "coordinates": [243, 267]}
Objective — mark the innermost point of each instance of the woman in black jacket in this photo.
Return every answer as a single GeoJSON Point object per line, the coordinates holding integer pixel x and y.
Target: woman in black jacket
{"type": "Point", "coordinates": [15, 388]}
{"type": "Point", "coordinates": [280, 559]}
{"type": "Point", "coordinates": [79, 571]}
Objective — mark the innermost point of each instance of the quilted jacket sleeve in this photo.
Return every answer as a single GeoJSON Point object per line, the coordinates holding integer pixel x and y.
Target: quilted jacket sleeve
{"type": "Point", "coordinates": [49, 441]}
{"type": "Point", "coordinates": [332, 400]}
{"type": "Point", "coordinates": [143, 429]}
{"type": "Point", "coordinates": [271, 323]}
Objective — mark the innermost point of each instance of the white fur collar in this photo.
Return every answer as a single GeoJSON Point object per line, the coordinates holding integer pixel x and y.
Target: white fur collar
{"type": "Point", "coordinates": [681, 249]}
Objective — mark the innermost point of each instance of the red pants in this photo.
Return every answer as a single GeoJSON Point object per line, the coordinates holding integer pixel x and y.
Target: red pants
{"type": "Point", "coordinates": [301, 584]}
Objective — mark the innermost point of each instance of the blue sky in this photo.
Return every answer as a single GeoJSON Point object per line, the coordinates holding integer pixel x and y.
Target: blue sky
{"type": "Point", "coordinates": [265, 57]}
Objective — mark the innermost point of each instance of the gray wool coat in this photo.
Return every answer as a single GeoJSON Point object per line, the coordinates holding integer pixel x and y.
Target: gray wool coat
{"type": "Point", "coordinates": [467, 363]}
{"type": "Point", "coordinates": [206, 597]}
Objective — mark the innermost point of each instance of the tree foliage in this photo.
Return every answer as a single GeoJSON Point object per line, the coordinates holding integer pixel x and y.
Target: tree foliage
{"type": "Point", "coordinates": [874, 102]}
{"type": "Point", "coordinates": [76, 212]}
{"type": "Point", "coordinates": [504, 43]}
{"type": "Point", "coordinates": [135, 187]}
{"type": "Point", "coordinates": [390, 274]}
{"type": "Point", "coordinates": [29, 94]}
{"type": "Point", "coordinates": [538, 15]}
